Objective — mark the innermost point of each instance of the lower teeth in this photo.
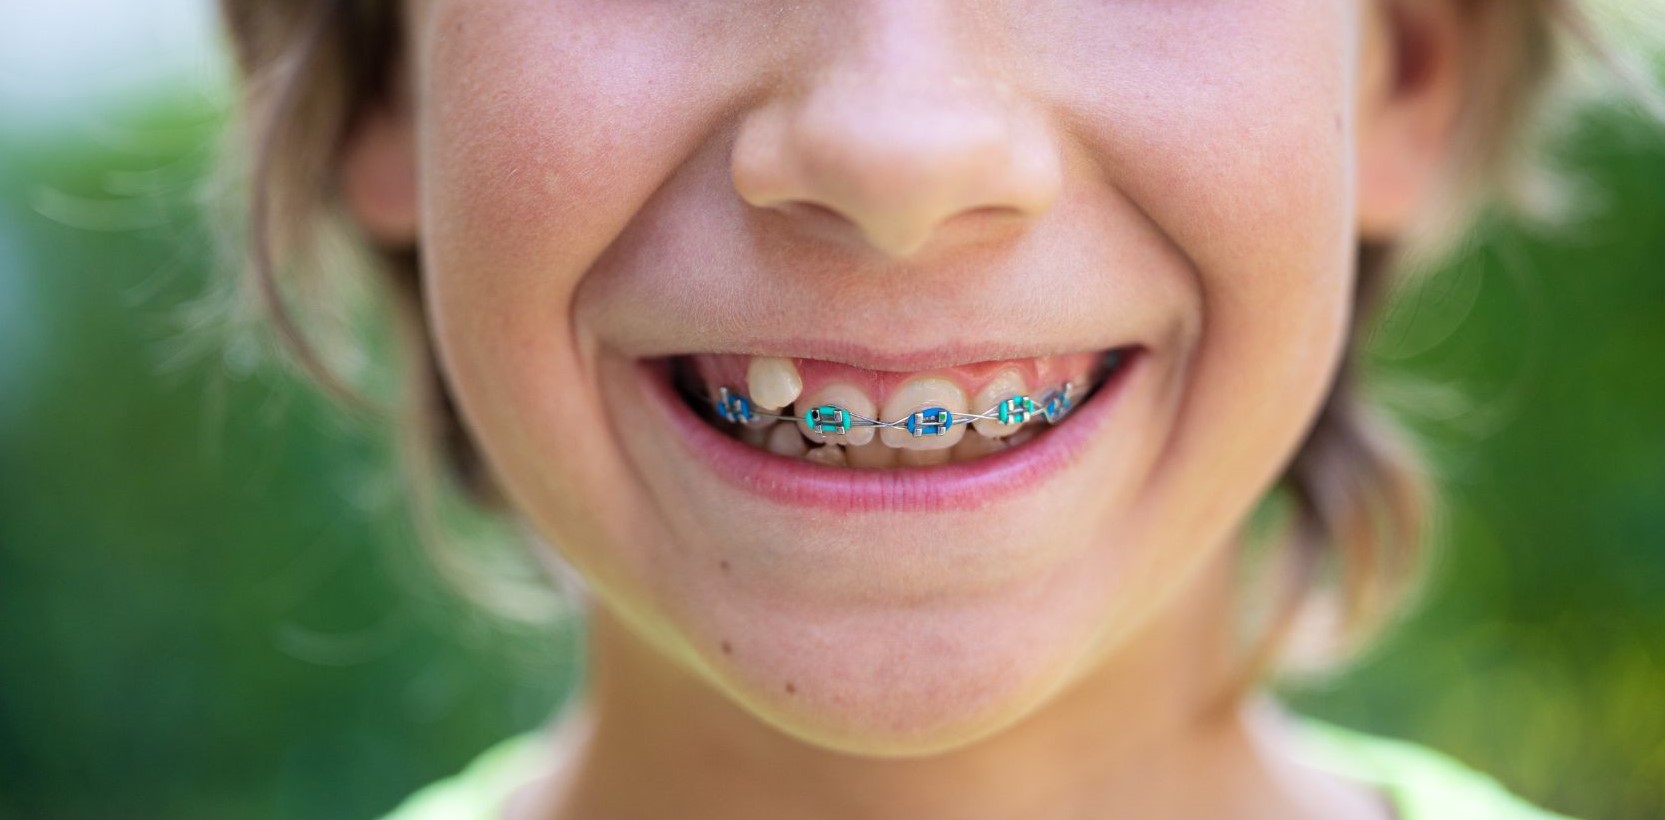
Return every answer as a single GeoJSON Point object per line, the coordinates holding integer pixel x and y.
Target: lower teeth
{"type": "Point", "coordinates": [786, 439]}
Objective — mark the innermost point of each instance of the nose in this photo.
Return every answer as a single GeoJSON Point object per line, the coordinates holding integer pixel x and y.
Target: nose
{"type": "Point", "coordinates": [897, 134]}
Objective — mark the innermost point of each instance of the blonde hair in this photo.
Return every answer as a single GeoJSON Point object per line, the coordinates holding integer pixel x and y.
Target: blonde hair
{"type": "Point", "coordinates": [1356, 497]}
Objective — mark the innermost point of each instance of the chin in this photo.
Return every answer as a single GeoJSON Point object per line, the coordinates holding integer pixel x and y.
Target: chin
{"type": "Point", "coordinates": [899, 682]}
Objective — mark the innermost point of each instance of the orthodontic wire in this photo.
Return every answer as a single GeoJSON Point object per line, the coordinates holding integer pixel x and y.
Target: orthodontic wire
{"type": "Point", "coordinates": [1054, 404]}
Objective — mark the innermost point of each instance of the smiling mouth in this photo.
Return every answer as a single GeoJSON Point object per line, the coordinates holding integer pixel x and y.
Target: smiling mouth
{"type": "Point", "coordinates": [843, 417]}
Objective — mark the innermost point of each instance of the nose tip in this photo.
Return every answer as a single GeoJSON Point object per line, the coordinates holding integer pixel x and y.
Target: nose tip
{"type": "Point", "coordinates": [894, 161]}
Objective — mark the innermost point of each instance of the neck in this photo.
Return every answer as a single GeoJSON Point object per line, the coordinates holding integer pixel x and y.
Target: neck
{"type": "Point", "coordinates": [1139, 734]}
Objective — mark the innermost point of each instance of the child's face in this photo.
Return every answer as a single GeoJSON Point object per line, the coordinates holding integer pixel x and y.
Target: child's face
{"type": "Point", "coordinates": [900, 187]}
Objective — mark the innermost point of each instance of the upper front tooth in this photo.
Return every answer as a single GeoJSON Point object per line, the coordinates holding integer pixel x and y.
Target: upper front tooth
{"type": "Point", "coordinates": [1007, 384]}
{"type": "Point", "coordinates": [846, 396]}
{"type": "Point", "coordinates": [920, 394]}
{"type": "Point", "coordinates": [773, 382]}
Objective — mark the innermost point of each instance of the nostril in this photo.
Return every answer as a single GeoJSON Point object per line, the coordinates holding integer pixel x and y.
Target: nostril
{"type": "Point", "coordinates": [816, 220]}
{"type": "Point", "coordinates": [813, 211]}
{"type": "Point", "coordinates": [990, 213]}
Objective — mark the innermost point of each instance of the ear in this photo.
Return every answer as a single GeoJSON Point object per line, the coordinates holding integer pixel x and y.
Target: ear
{"type": "Point", "coordinates": [378, 173]}
{"type": "Point", "coordinates": [1411, 90]}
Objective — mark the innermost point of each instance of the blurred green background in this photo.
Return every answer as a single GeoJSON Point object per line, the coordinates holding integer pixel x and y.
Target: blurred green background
{"type": "Point", "coordinates": [210, 605]}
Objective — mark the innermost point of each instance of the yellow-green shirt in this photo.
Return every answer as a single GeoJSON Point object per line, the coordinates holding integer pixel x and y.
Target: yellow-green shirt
{"type": "Point", "coordinates": [1421, 784]}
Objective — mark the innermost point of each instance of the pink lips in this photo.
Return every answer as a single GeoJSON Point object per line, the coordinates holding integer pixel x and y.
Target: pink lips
{"type": "Point", "coordinates": [957, 486]}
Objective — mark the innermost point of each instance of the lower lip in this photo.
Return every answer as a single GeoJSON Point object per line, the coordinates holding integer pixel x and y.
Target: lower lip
{"type": "Point", "coordinates": [1002, 476]}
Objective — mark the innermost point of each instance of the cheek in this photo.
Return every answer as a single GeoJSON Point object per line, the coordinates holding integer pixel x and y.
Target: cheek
{"type": "Point", "coordinates": [1233, 136]}
{"type": "Point", "coordinates": [541, 136]}
{"type": "Point", "coordinates": [1257, 207]}
{"type": "Point", "coordinates": [1263, 209]}
{"type": "Point", "coordinates": [544, 133]}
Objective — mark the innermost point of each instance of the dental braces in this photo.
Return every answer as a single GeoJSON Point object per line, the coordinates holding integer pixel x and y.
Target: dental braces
{"type": "Point", "coordinates": [736, 407]}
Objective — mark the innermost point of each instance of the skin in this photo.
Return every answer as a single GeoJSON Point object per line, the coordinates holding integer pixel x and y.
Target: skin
{"type": "Point", "coordinates": [592, 182]}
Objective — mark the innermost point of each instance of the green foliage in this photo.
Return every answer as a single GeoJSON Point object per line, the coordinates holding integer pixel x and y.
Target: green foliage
{"type": "Point", "coordinates": [210, 605]}
{"type": "Point", "coordinates": [1539, 651]}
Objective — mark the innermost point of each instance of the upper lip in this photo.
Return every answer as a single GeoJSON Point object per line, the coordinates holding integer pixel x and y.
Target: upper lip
{"type": "Point", "coordinates": [856, 354]}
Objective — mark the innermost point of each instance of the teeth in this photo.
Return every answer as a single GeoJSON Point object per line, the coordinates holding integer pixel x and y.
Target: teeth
{"type": "Point", "coordinates": [1007, 384]}
{"type": "Point", "coordinates": [930, 391]}
{"type": "Point", "coordinates": [972, 447]}
{"type": "Point", "coordinates": [1022, 436]}
{"type": "Point", "coordinates": [755, 434]}
{"type": "Point", "coordinates": [784, 439]}
{"type": "Point", "coordinates": [772, 382]}
{"type": "Point", "coordinates": [872, 454]}
{"type": "Point", "coordinates": [924, 458]}
{"type": "Point", "coordinates": [843, 395]}
{"type": "Point", "coordinates": [830, 454]}
{"type": "Point", "coordinates": [775, 388]}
